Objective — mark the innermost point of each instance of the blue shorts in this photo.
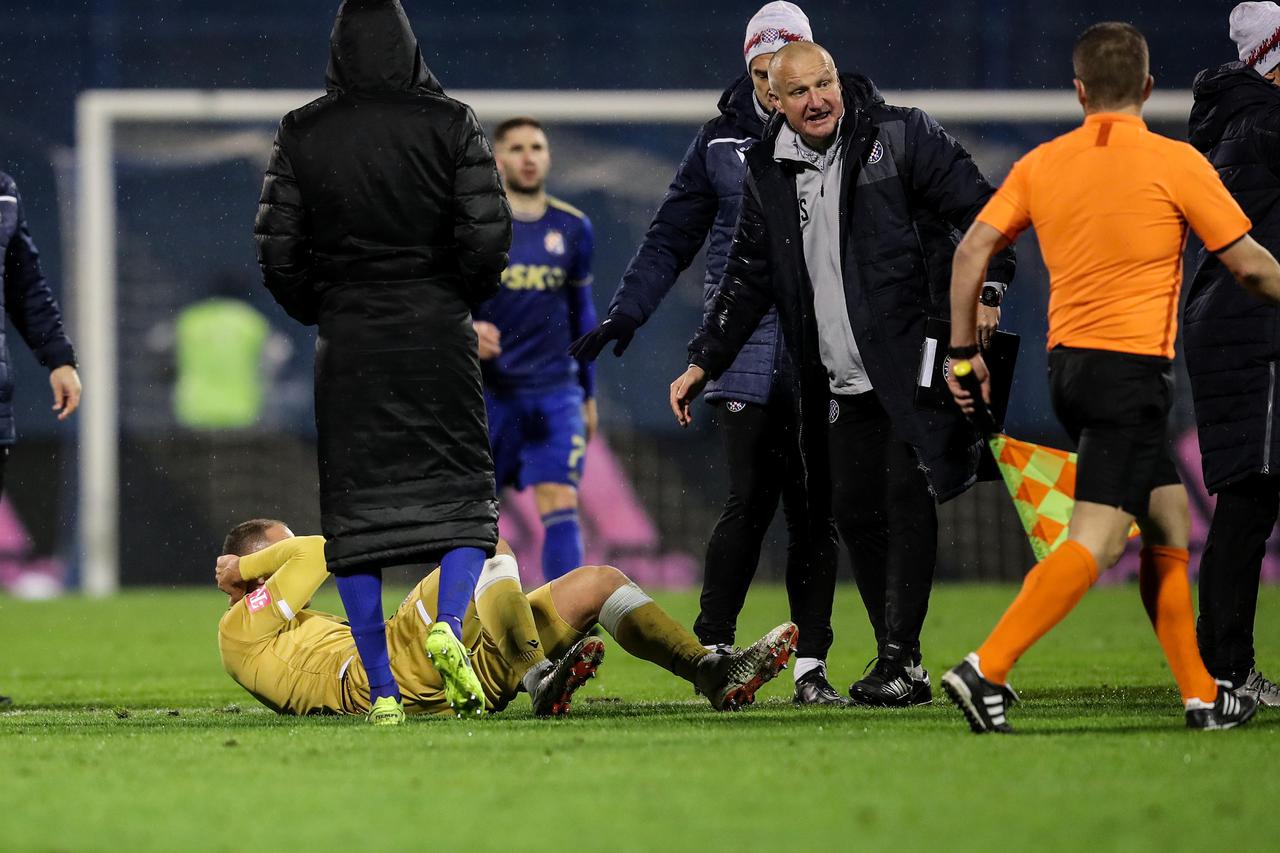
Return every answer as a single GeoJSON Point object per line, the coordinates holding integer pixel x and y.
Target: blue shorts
{"type": "Point", "coordinates": [537, 436]}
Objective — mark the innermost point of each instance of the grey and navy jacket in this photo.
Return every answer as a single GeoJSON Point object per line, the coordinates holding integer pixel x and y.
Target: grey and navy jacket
{"type": "Point", "coordinates": [907, 187]}
{"type": "Point", "coordinates": [27, 300]}
{"type": "Point", "coordinates": [704, 198]}
{"type": "Point", "coordinates": [1231, 338]}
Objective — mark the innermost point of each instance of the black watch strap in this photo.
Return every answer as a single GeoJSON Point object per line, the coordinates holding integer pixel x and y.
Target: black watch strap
{"type": "Point", "coordinates": [963, 352]}
{"type": "Point", "coordinates": [991, 295]}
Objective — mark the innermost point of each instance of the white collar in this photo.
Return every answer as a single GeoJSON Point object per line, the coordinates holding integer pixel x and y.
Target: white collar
{"type": "Point", "coordinates": [791, 146]}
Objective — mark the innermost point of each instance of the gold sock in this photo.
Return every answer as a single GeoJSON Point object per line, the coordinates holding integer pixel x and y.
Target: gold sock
{"type": "Point", "coordinates": [505, 616]}
{"type": "Point", "coordinates": [646, 631]}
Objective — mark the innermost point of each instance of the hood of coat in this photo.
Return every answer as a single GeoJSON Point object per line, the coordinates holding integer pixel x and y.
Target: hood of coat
{"type": "Point", "coordinates": [1223, 93]}
{"type": "Point", "coordinates": [373, 49]}
{"type": "Point", "coordinates": [738, 104]}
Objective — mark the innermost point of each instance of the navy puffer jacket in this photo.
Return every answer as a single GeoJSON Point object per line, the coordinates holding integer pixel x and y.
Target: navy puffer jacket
{"type": "Point", "coordinates": [28, 302]}
{"type": "Point", "coordinates": [703, 199]}
{"type": "Point", "coordinates": [1232, 339]}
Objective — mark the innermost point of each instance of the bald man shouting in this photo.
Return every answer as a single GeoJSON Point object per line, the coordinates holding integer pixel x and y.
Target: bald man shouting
{"type": "Point", "coordinates": [851, 212]}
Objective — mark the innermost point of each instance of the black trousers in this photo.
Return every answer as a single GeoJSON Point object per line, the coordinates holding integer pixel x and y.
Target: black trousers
{"type": "Point", "coordinates": [762, 449]}
{"type": "Point", "coordinates": [1229, 573]}
{"type": "Point", "coordinates": [888, 520]}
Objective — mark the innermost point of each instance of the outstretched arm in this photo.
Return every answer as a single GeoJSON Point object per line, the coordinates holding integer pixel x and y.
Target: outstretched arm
{"type": "Point", "coordinates": [745, 296]}
{"type": "Point", "coordinates": [672, 242]}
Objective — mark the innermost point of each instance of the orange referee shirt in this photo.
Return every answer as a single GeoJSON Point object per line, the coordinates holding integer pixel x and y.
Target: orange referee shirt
{"type": "Point", "coordinates": [1111, 202]}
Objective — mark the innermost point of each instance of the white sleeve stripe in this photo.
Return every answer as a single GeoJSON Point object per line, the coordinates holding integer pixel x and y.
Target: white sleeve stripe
{"type": "Point", "coordinates": [285, 610]}
{"type": "Point", "coordinates": [422, 611]}
{"type": "Point", "coordinates": [342, 673]}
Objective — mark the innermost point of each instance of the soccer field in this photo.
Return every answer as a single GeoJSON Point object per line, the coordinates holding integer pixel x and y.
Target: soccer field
{"type": "Point", "coordinates": [127, 735]}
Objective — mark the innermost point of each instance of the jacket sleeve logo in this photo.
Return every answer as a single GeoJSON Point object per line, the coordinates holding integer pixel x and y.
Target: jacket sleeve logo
{"type": "Point", "coordinates": [877, 152]}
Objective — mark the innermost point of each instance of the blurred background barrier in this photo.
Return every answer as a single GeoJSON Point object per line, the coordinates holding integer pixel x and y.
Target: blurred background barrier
{"type": "Point", "coordinates": [142, 199]}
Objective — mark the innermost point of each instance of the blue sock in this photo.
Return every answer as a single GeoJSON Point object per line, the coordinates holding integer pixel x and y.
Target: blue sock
{"type": "Point", "coordinates": [459, 571]}
{"type": "Point", "coordinates": [562, 547]}
{"type": "Point", "coordinates": [362, 598]}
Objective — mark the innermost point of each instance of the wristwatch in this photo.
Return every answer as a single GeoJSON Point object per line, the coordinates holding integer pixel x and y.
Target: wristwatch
{"type": "Point", "coordinates": [992, 293]}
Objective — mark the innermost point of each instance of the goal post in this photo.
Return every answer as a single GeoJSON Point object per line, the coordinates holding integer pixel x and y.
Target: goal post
{"type": "Point", "coordinates": [99, 113]}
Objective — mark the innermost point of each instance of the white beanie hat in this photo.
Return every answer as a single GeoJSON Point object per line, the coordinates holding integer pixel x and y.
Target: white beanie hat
{"type": "Point", "coordinates": [775, 26]}
{"type": "Point", "coordinates": [1255, 28]}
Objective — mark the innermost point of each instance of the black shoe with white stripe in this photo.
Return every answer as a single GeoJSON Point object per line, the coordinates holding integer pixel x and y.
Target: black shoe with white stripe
{"type": "Point", "coordinates": [983, 702]}
{"type": "Point", "coordinates": [1227, 711]}
{"type": "Point", "coordinates": [890, 684]}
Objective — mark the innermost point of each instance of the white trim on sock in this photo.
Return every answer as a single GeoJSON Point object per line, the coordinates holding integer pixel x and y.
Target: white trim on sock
{"type": "Point", "coordinates": [804, 666]}
{"type": "Point", "coordinates": [501, 567]}
{"type": "Point", "coordinates": [624, 599]}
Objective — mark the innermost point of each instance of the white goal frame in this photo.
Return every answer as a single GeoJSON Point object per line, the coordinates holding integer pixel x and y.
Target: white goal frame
{"type": "Point", "coordinates": [95, 277]}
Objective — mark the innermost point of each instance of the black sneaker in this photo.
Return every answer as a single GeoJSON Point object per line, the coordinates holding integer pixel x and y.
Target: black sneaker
{"type": "Point", "coordinates": [812, 688]}
{"type": "Point", "coordinates": [731, 681]}
{"type": "Point", "coordinates": [5, 701]}
{"type": "Point", "coordinates": [1229, 710]}
{"type": "Point", "coordinates": [554, 693]}
{"type": "Point", "coordinates": [983, 702]}
{"type": "Point", "coordinates": [889, 684]}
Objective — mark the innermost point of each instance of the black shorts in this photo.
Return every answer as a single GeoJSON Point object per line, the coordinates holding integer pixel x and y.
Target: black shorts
{"type": "Point", "coordinates": [1115, 406]}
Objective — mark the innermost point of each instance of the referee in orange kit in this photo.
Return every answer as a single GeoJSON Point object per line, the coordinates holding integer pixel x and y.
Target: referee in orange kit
{"type": "Point", "coordinates": [1111, 203]}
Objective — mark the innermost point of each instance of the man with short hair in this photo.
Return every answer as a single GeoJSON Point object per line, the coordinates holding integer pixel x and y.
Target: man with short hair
{"type": "Point", "coordinates": [540, 400]}
{"type": "Point", "coordinates": [1111, 203]}
{"type": "Point", "coordinates": [1232, 345]}
{"type": "Point", "coordinates": [832, 232]}
{"type": "Point", "coordinates": [754, 398]}
{"type": "Point", "coordinates": [300, 661]}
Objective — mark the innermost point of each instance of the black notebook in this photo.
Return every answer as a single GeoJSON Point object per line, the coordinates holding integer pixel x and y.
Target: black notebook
{"type": "Point", "coordinates": [935, 366]}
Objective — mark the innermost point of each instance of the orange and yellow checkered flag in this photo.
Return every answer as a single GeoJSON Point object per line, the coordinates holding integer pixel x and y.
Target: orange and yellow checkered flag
{"type": "Point", "coordinates": [1042, 482]}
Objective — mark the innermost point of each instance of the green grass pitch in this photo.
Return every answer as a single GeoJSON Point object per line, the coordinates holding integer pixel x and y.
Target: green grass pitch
{"type": "Point", "coordinates": [127, 735]}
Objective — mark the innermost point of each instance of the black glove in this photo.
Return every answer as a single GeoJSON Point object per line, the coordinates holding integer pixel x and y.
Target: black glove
{"type": "Point", "coordinates": [617, 327]}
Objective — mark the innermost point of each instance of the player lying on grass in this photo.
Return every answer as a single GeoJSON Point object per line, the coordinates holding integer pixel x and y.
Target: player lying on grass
{"type": "Point", "coordinates": [300, 661]}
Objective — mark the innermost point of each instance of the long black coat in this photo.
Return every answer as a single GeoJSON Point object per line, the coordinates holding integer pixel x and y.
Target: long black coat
{"type": "Point", "coordinates": [383, 220]}
{"type": "Point", "coordinates": [1232, 339]}
{"type": "Point", "coordinates": [903, 176]}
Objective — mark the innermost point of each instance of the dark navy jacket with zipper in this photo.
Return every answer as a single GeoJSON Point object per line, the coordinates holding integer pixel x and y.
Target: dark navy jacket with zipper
{"type": "Point", "coordinates": [704, 197]}
{"type": "Point", "coordinates": [1232, 339]}
{"type": "Point", "coordinates": [27, 300]}
{"type": "Point", "coordinates": [901, 169]}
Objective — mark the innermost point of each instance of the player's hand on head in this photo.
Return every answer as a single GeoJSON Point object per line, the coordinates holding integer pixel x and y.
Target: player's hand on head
{"type": "Point", "coordinates": [227, 574]}
{"type": "Point", "coordinates": [618, 328]}
{"type": "Point", "coordinates": [489, 339]}
{"type": "Point", "coordinates": [684, 391]}
{"type": "Point", "coordinates": [65, 382]}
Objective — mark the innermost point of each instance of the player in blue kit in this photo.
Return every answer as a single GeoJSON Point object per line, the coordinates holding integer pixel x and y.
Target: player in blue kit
{"type": "Point", "coordinates": [541, 401]}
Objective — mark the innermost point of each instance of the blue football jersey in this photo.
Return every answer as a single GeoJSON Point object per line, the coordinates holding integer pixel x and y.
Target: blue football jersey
{"type": "Point", "coordinates": [544, 303]}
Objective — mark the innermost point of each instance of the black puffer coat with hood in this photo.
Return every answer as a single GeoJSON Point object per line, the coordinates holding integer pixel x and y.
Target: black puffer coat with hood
{"type": "Point", "coordinates": [1232, 339]}
{"type": "Point", "coordinates": [382, 220]}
